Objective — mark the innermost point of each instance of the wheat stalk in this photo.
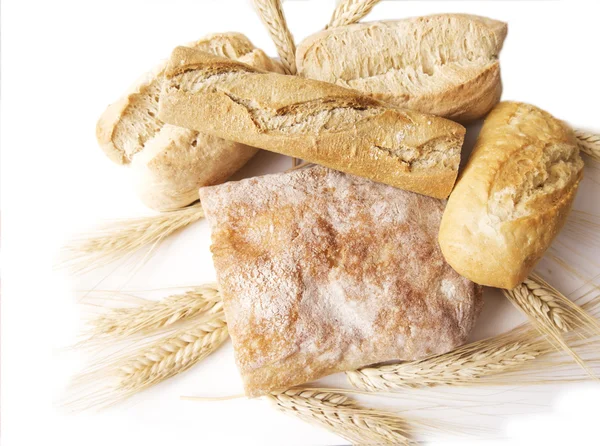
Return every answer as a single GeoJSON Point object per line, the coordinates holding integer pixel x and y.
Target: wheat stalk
{"type": "Point", "coordinates": [131, 372]}
{"type": "Point", "coordinates": [552, 313]}
{"type": "Point", "coordinates": [271, 14]}
{"type": "Point", "coordinates": [154, 315]}
{"type": "Point", "coordinates": [115, 240]}
{"type": "Point", "coordinates": [350, 11]}
{"type": "Point", "coordinates": [589, 143]}
{"type": "Point", "coordinates": [343, 416]}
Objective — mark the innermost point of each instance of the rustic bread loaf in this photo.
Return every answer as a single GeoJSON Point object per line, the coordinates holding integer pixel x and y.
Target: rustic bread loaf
{"type": "Point", "coordinates": [170, 163]}
{"type": "Point", "coordinates": [322, 272]}
{"type": "Point", "coordinates": [315, 121]}
{"type": "Point", "coordinates": [513, 196]}
{"type": "Point", "coordinates": [444, 64]}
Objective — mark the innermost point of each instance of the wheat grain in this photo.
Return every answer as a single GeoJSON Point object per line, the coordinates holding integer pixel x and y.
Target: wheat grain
{"type": "Point", "coordinates": [589, 143]}
{"type": "Point", "coordinates": [153, 315]}
{"type": "Point", "coordinates": [117, 378]}
{"type": "Point", "coordinates": [552, 313]}
{"type": "Point", "coordinates": [466, 366]}
{"type": "Point", "coordinates": [117, 239]}
{"type": "Point", "coordinates": [343, 416]}
{"type": "Point", "coordinates": [350, 11]}
{"type": "Point", "coordinates": [171, 356]}
{"type": "Point", "coordinates": [271, 14]}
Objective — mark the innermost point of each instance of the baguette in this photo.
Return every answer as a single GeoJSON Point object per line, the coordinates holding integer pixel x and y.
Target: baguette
{"type": "Point", "coordinates": [444, 64]}
{"type": "Point", "coordinates": [513, 196]}
{"type": "Point", "coordinates": [315, 121]}
{"type": "Point", "coordinates": [170, 163]}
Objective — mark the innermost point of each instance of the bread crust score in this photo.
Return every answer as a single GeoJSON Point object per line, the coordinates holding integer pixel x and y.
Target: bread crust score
{"type": "Point", "coordinates": [323, 272]}
{"type": "Point", "coordinates": [312, 120]}
{"type": "Point", "coordinates": [513, 196]}
{"type": "Point", "coordinates": [170, 163]}
{"type": "Point", "coordinates": [445, 64]}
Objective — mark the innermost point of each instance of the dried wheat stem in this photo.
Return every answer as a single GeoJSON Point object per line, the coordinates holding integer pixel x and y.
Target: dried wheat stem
{"type": "Point", "coordinates": [589, 143]}
{"type": "Point", "coordinates": [343, 416]}
{"type": "Point", "coordinates": [552, 313]}
{"type": "Point", "coordinates": [350, 11]}
{"type": "Point", "coordinates": [271, 14]}
{"type": "Point", "coordinates": [465, 366]}
{"type": "Point", "coordinates": [169, 357]}
{"type": "Point", "coordinates": [116, 239]}
{"type": "Point", "coordinates": [154, 315]}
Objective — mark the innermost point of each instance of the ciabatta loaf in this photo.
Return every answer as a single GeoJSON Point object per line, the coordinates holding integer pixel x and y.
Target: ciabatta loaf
{"type": "Point", "coordinates": [170, 163]}
{"type": "Point", "coordinates": [322, 272]}
{"type": "Point", "coordinates": [513, 196]}
{"type": "Point", "coordinates": [315, 121]}
{"type": "Point", "coordinates": [444, 64]}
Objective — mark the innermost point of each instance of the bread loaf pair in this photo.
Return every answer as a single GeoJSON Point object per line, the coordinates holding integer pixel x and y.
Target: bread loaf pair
{"type": "Point", "coordinates": [513, 196]}
{"type": "Point", "coordinates": [312, 120]}
{"type": "Point", "coordinates": [444, 64]}
{"type": "Point", "coordinates": [170, 163]}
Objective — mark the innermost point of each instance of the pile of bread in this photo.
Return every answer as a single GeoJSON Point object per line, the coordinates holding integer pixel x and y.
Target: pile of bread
{"type": "Point", "coordinates": [326, 270]}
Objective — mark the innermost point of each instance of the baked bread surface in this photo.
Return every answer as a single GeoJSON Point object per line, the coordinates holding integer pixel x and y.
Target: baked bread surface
{"type": "Point", "coordinates": [315, 121]}
{"type": "Point", "coordinates": [513, 196]}
{"type": "Point", "coordinates": [322, 272]}
{"type": "Point", "coordinates": [445, 64]}
{"type": "Point", "coordinates": [170, 163]}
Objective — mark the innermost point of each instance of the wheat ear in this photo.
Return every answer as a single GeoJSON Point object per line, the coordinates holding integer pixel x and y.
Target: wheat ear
{"type": "Point", "coordinates": [154, 315]}
{"type": "Point", "coordinates": [131, 372]}
{"type": "Point", "coordinates": [552, 314]}
{"type": "Point", "coordinates": [271, 14]}
{"type": "Point", "coordinates": [119, 238]}
{"type": "Point", "coordinates": [343, 416]}
{"type": "Point", "coordinates": [589, 143]}
{"type": "Point", "coordinates": [350, 11]}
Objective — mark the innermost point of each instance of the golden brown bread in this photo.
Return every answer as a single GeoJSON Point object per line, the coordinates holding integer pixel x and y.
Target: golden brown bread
{"type": "Point", "coordinates": [322, 272]}
{"type": "Point", "coordinates": [445, 64]}
{"type": "Point", "coordinates": [513, 196]}
{"type": "Point", "coordinates": [315, 121]}
{"type": "Point", "coordinates": [170, 163]}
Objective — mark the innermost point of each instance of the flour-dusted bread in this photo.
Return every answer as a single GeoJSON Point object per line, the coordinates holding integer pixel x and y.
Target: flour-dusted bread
{"type": "Point", "coordinates": [513, 196]}
{"type": "Point", "coordinates": [444, 64]}
{"type": "Point", "coordinates": [315, 121]}
{"type": "Point", "coordinates": [170, 163]}
{"type": "Point", "coordinates": [322, 272]}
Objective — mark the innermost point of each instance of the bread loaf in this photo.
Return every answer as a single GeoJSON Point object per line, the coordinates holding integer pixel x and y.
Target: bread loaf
{"type": "Point", "coordinates": [322, 272]}
{"type": "Point", "coordinates": [444, 64]}
{"type": "Point", "coordinates": [513, 196]}
{"type": "Point", "coordinates": [170, 163]}
{"type": "Point", "coordinates": [315, 121]}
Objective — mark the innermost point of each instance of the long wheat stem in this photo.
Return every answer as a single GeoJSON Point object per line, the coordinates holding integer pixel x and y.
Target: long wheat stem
{"type": "Point", "coordinates": [350, 11]}
{"type": "Point", "coordinates": [271, 14]}
{"type": "Point", "coordinates": [154, 315]}
{"type": "Point", "coordinates": [343, 416]}
{"type": "Point", "coordinates": [117, 239]}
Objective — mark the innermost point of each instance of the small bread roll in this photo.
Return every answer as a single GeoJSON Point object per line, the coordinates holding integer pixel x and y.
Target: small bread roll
{"type": "Point", "coordinates": [444, 64]}
{"type": "Point", "coordinates": [169, 163]}
{"type": "Point", "coordinates": [513, 196]}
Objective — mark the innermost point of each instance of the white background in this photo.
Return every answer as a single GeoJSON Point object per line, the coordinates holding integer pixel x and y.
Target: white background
{"type": "Point", "coordinates": [64, 61]}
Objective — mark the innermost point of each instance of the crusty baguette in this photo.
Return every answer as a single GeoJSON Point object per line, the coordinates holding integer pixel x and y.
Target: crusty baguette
{"type": "Point", "coordinates": [444, 64]}
{"type": "Point", "coordinates": [513, 196]}
{"type": "Point", "coordinates": [170, 163]}
{"type": "Point", "coordinates": [312, 120]}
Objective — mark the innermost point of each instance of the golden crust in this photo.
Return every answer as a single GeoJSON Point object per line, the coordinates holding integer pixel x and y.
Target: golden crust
{"type": "Point", "coordinates": [513, 196]}
{"type": "Point", "coordinates": [323, 272]}
{"type": "Point", "coordinates": [315, 121]}
{"type": "Point", "coordinates": [442, 64]}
